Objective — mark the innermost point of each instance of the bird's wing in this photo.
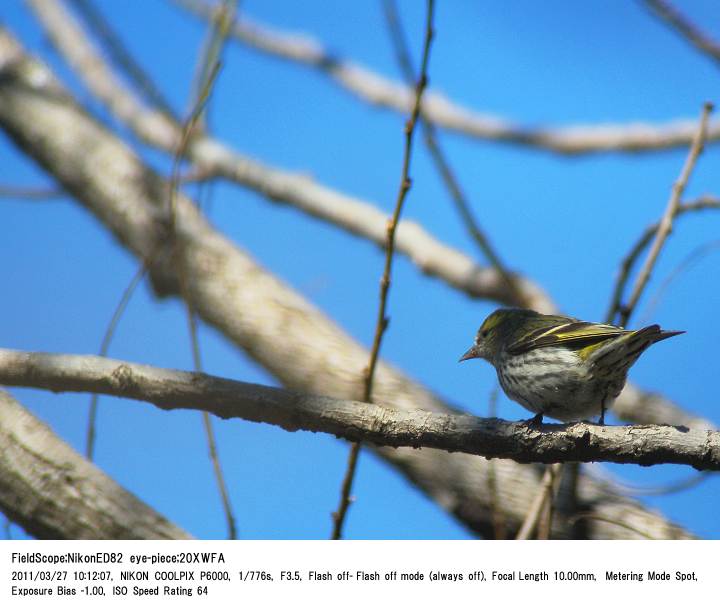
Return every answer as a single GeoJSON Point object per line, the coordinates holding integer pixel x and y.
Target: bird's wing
{"type": "Point", "coordinates": [572, 335]}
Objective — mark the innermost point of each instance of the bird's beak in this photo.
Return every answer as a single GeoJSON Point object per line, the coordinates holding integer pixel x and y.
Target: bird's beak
{"type": "Point", "coordinates": [469, 354]}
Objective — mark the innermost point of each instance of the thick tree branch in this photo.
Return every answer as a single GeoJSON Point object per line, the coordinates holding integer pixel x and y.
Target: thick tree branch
{"type": "Point", "coordinates": [276, 326]}
{"type": "Point", "coordinates": [54, 493]}
{"type": "Point", "coordinates": [376, 89]}
{"type": "Point", "coordinates": [361, 421]}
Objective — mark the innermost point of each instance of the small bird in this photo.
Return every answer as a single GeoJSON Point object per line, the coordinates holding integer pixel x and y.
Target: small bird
{"type": "Point", "coordinates": [559, 366]}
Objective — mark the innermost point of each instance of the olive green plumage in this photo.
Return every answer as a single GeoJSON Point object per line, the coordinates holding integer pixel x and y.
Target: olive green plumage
{"type": "Point", "coordinates": [559, 366]}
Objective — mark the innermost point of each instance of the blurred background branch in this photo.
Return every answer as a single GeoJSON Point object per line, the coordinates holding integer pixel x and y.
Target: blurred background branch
{"type": "Point", "coordinates": [373, 88]}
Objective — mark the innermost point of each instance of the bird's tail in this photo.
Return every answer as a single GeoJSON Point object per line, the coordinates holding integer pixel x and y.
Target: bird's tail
{"type": "Point", "coordinates": [624, 351]}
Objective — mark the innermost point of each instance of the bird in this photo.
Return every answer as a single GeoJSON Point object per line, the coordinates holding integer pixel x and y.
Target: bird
{"type": "Point", "coordinates": [559, 366]}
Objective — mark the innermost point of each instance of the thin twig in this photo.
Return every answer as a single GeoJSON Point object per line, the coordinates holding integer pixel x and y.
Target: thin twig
{"type": "Point", "coordinates": [624, 525]}
{"type": "Point", "coordinates": [685, 28]}
{"type": "Point", "coordinates": [702, 203]}
{"type": "Point", "coordinates": [496, 514]}
{"type": "Point", "coordinates": [533, 512]}
{"type": "Point", "coordinates": [186, 133]}
{"type": "Point", "coordinates": [566, 498]}
{"type": "Point", "coordinates": [452, 184]}
{"type": "Point", "coordinates": [32, 193]}
{"type": "Point", "coordinates": [645, 490]}
{"type": "Point", "coordinates": [661, 231]}
{"type": "Point", "coordinates": [107, 35]}
{"type": "Point", "coordinates": [544, 526]}
{"type": "Point", "coordinates": [104, 348]}
{"type": "Point", "coordinates": [537, 507]}
{"type": "Point", "coordinates": [382, 320]}
{"type": "Point", "coordinates": [121, 57]}
{"type": "Point", "coordinates": [696, 254]}
{"type": "Point", "coordinates": [210, 66]}
{"type": "Point", "coordinates": [212, 48]}
{"type": "Point", "coordinates": [346, 498]}
{"type": "Point", "coordinates": [135, 281]}
{"type": "Point", "coordinates": [544, 522]}
{"type": "Point", "coordinates": [665, 225]}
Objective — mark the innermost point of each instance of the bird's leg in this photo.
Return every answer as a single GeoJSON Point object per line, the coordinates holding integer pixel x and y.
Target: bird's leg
{"type": "Point", "coordinates": [536, 421]}
{"type": "Point", "coordinates": [602, 411]}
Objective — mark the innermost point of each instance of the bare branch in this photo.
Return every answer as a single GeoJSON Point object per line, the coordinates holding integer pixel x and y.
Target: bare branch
{"type": "Point", "coordinates": [452, 184]}
{"type": "Point", "coordinates": [701, 204]}
{"type": "Point", "coordinates": [382, 320]}
{"type": "Point", "coordinates": [32, 193]}
{"type": "Point", "coordinates": [671, 211]}
{"type": "Point", "coordinates": [618, 523]}
{"type": "Point", "coordinates": [373, 88]}
{"type": "Point", "coordinates": [498, 519]}
{"type": "Point", "coordinates": [362, 421]}
{"type": "Point", "coordinates": [209, 67]}
{"type": "Point", "coordinates": [668, 488]}
{"type": "Point", "coordinates": [696, 254]}
{"type": "Point", "coordinates": [120, 55]}
{"type": "Point", "coordinates": [535, 509]}
{"type": "Point", "coordinates": [675, 19]}
{"type": "Point", "coordinates": [104, 348]}
{"type": "Point", "coordinates": [53, 493]}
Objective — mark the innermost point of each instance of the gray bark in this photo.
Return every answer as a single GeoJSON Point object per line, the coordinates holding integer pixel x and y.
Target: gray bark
{"type": "Point", "coordinates": [363, 422]}
{"type": "Point", "coordinates": [54, 493]}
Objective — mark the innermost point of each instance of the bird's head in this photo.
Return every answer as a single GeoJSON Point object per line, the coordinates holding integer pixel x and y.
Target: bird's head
{"type": "Point", "coordinates": [501, 328]}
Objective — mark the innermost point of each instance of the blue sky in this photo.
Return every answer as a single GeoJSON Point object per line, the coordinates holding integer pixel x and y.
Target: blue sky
{"type": "Point", "coordinates": [564, 222]}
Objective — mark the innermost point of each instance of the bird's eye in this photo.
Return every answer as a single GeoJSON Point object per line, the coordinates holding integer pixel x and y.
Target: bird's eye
{"type": "Point", "coordinates": [483, 333]}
